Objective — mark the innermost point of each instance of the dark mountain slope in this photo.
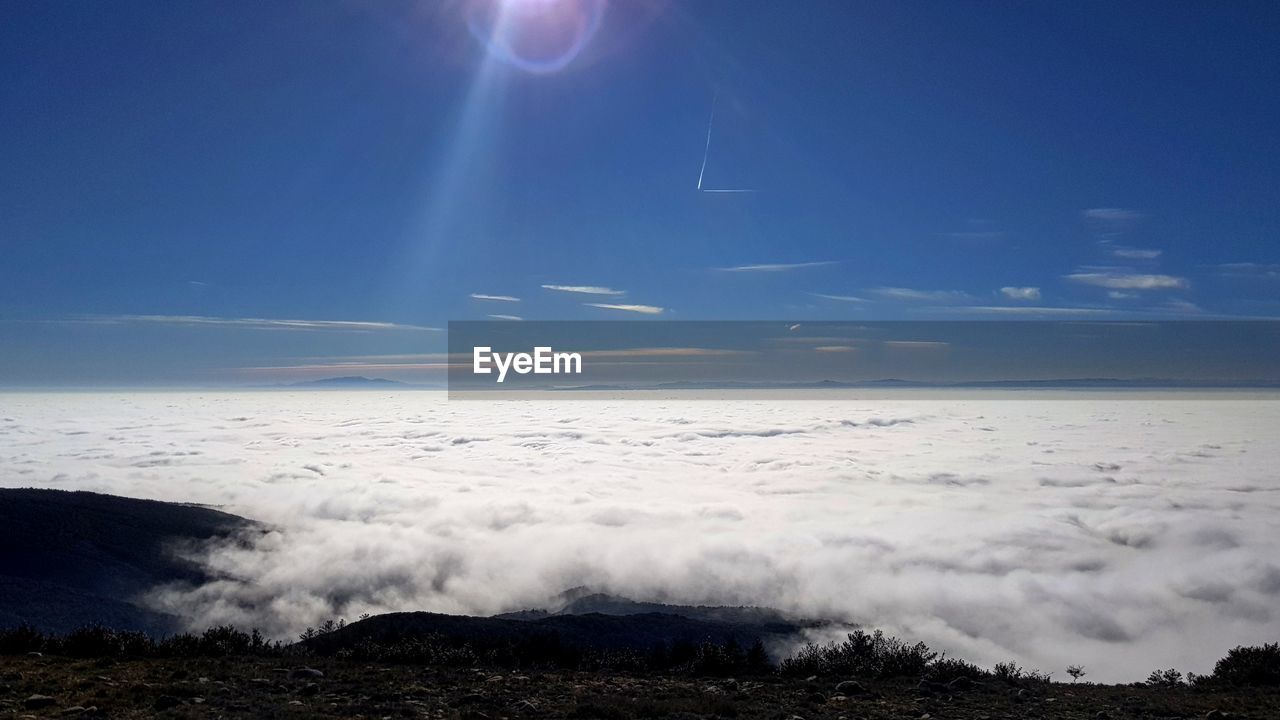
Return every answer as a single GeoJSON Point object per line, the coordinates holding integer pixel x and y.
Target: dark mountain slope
{"type": "Point", "coordinates": [74, 558]}
{"type": "Point", "coordinates": [592, 631]}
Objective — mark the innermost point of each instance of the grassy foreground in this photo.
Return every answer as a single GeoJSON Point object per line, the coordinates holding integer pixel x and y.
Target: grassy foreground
{"type": "Point", "coordinates": [48, 686]}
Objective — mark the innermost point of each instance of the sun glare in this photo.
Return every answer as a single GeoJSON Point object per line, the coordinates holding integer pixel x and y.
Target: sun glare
{"type": "Point", "coordinates": [536, 36]}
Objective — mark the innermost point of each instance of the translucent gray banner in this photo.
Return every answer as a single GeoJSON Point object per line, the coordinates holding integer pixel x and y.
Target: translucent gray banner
{"type": "Point", "coordinates": [494, 359]}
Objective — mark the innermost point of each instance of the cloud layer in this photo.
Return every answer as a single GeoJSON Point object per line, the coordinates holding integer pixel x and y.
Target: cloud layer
{"type": "Point", "coordinates": [1063, 528]}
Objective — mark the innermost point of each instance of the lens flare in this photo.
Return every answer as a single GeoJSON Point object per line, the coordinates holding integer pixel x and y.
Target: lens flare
{"type": "Point", "coordinates": [536, 36]}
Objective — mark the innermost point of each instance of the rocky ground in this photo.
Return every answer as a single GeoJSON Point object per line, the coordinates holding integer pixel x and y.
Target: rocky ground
{"type": "Point", "coordinates": [39, 687]}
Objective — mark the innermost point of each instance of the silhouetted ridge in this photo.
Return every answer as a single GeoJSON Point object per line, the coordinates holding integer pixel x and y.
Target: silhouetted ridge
{"type": "Point", "coordinates": [69, 559]}
{"type": "Point", "coordinates": [585, 632]}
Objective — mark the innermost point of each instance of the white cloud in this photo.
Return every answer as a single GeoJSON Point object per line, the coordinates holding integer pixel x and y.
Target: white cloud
{"type": "Point", "coordinates": [1250, 269]}
{"type": "Point", "coordinates": [1021, 293]}
{"type": "Point", "coordinates": [1035, 536]}
{"type": "Point", "coordinates": [250, 323]}
{"type": "Point", "coordinates": [1183, 307]}
{"type": "Point", "coordinates": [1021, 310]}
{"type": "Point", "coordinates": [506, 317]}
{"type": "Point", "coordinates": [381, 358]}
{"type": "Point", "coordinates": [497, 298]}
{"type": "Point", "coordinates": [645, 309]}
{"type": "Point", "coordinates": [1132, 253]}
{"type": "Point", "coordinates": [1111, 215]}
{"type": "Point", "coordinates": [775, 267]}
{"type": "Point", "coordinates": [925, 344]}
{"type": "Point", "coordinates": [976, 235]}
{"type": "Point", "coordinates": [585, 289]}
{"type": "Point", "coordinates": [1128, 281]}
{"type": "Point", "coordinates": [661, 352]}
{"type": "Point", "coordinates": [1110, 224]}
{"type": "Point", "coordinates": [840, 298]}
{"type": "Point", "coordinates": [912, 295]}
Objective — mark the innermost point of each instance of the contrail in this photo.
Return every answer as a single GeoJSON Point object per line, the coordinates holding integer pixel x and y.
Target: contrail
{"type": "Point", "coordinates": [706, 153]}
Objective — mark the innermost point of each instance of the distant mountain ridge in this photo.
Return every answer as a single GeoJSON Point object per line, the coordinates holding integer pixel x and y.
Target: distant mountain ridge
{"type": "Point", "coordinates": [348, 381]}
{"type": "Point", "coordinates": [1046, 384]}
{"type": "Point", "coordinates": [582, 601]}
{"type": "Point", "coordinates": [581, 620]}
{"type": "Point", "coordinates": [591, 631]}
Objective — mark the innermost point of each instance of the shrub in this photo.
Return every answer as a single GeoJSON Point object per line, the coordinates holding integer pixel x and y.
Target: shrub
{"type": "Point", "coordinates": [862, 655]}
{"type": "Point", "coordinates": [1256, 666]}
{"type": "Point", "coordinates": [224, 640]}
{"type": "Point", "coordinates": [1009, 672]}
{"type": "Point", "coordinates": [946, 669]}
{"type": "Point", "coordinates": [1170, 678]}
{"type": "Point", "coordinates": [96, 641]}
{"type": "Point", "coordinates": [21, 640]}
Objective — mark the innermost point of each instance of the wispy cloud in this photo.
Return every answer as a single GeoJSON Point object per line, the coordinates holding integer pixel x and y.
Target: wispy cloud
{"type": "Point", "coordinates": [644, 309]}
{"type": "Point", "coordinates": [249, 323]}
{"type": "Point", "coordinates": [1132, 253]}
{"type": "Point", "coordinates": [351, 368]}
{"type": "Point", "coordinates": [1128, 281]}
{"type": "Point", "coordinates": [1028, 310]}
{"type": "Point", "coordinates": [1109, 223]}
{"type": "Point", "coordinates": [662, 352]}
{"type": "Point", "coordinates": [816, 340]}
{"type": "Point", "coordinates": [1111, 215]}
{"type": "Point", "coordinates": [776, 267]}
{"type": "Point", "coordinates": [913, 295]}
{"type": "Point", "coordinates": [1021, 293]}
{"type": "Point", "coordinates": [383, 359]}
{"type": "Point", "coordinates": [975, 235]}
{"type": "Point", "coordinates": [585, 289]}
{"type": "Point", "coordinates": [835, 348]}
{"type": "Point", "coordinates": [497, 298]}
{"type": "Point", "coordinates": [506, 317]}
{"type": "Point", "coordinates": [917, 344]}
{"type": "Point", "coordinates": [1250, 270]}
{"type": "Point", "coordinates": [840, 298]}
{"type": "Point", "coordinates": [1183, 307]}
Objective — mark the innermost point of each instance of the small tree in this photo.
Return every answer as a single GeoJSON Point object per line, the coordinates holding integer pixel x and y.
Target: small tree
{"type": "Point", "coordinates": [1170, 678]}
{"type": "Point", "coordinates": [1076, 672]}
{"type": "Point", "coordinates": [1009, 672]}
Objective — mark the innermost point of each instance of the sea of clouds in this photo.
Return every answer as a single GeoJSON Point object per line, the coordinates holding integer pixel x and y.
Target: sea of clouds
{"type": "Point", "coordinates": [1121, 532]}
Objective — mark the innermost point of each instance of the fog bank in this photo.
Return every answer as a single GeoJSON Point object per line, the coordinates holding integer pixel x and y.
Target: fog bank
{"type": "Point", "coordinates": [1117, 534]}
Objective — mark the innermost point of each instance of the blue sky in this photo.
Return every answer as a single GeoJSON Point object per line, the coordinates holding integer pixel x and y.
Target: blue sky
{"type": "Point", "coordinates": [192, 189]}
